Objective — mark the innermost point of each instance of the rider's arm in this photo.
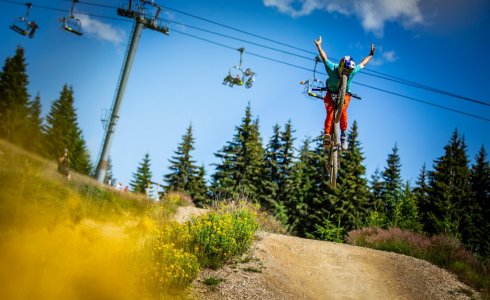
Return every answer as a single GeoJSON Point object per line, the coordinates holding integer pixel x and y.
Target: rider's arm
{"type": "Point", "coordinates": [318, 44]}
{"type": "Point", "coordinates": [368, 58]}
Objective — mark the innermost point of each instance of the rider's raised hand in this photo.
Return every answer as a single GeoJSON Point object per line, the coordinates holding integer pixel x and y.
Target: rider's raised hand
{"type": "Point", "coordinates": [373, 49]}
{"type": "Point", "coordinates": [319, 41]}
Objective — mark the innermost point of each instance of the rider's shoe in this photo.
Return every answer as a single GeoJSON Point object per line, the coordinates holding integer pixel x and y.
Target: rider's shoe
{"type": "Point", "coordinates": [343, 141]}
{"type": "Point", "coordinates": [327, 140]}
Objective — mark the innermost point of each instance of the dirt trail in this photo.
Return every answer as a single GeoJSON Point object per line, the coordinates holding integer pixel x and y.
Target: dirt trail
{"type": "Point", "coordinates": [285, 267]}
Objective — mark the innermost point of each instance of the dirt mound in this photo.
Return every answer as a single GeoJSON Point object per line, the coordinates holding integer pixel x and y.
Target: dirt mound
{"type": "Point", "coordinates": [285, 267]}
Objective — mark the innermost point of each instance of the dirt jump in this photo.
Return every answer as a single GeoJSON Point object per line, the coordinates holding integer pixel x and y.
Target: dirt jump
{"type": "Point", "coordinates": [285, 267]}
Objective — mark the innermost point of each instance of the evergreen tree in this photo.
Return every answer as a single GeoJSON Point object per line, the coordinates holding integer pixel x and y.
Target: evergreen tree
{"type": "Point", "coordinates": [14, 99]}
{"type": "Point", "coordinates": [183, 171]}
{"type": "Point", "coordinates": [352, 184]}
{"type": "Point", "coordinates": [480, 223]}
{"type": "Point", "coordinates": [34, 141]}
{"type": "Point", "coordinates": [392, 183]}
{"type": "Point", "coordinates": [279, 157]}
{"type": "Point", "coordinates": [376, 201]}
{"type": "Point", "coordinates": [62, 132]}
{"type": "Point", "coordinates": [272, 177]}
{"type": "Point", "coordinates": [241, 169]}
{"type": "Point", "coordinates": [406, 214]}
{"type": "Point", "coordinates": [321, 200]}
{"type": "Point", "coordinates": [286, 160]}
{"type": "Point", "coordinates": [449, 190]}
{"type": "Point", "coordinates": [421, 193]}
{"type": "Point", "coordinates": [376, 206]}
{"type": "Point", "coordinates": [297, 188]}
{"type": "Point", "coordinates": [142, 177]}
{"type": "Point", "coordinates": [109, 176]}
{"type": "Point", "coordinates": [198, 188]}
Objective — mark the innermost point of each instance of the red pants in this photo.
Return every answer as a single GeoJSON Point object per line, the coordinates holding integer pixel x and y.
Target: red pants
{"type": "Point", "coordinates": [343, 117]}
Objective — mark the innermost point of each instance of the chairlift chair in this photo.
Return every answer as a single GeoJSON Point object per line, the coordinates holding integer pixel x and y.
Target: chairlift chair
{"type": "Point", "coordinates": [71, 23]}
{"type": "Point", "coordinates": [23, 26]}
{"type": "Point", "coordinates": [314, 87]}
{"type": "Point", "coordinates": [234, 77]}
{"type": "Point", "coordinates": [251, 77]}
{"type": "Point", "coordinates": [238, 76]}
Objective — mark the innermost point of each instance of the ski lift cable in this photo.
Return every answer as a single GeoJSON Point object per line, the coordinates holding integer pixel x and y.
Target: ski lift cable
{"type": "Point", "coordinates": [367, 71]}
{"type": "Point", "coordinates": [423, 101]}
{"type": "Point", "coordinates": [278, 61]}
{"type": "Point", "coordinates": [355, 82]}
{"type": "Point", "coordinates": [385, 76]}
{"type": "Point", "coordinates": [380, 75]}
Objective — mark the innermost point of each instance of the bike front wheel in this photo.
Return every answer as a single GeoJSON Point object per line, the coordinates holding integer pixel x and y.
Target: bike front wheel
{"type": "Point", "coordinates": [341, 98]}
{"type": "Point", "coordinates": [333, 159]}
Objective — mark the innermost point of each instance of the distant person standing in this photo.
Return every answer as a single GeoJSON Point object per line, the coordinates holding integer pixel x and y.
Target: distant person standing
{"type": "Point", "coordinates": [64, 165]}
{"type": "Point", "coordinates": [148, 190]}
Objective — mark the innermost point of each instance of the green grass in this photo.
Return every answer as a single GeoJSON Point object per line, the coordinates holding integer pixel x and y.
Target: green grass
{"type": "Point", "coordinates": [98, 243]}
{"type": "Point", "coordinates": [212, 281]}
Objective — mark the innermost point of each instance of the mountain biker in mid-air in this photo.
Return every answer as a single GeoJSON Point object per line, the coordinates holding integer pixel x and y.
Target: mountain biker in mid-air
{"type": "Point", "coordinates": [345, 66]}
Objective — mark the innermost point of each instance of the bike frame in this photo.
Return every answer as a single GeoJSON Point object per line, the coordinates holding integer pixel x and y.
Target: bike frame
{"type": "Point", "coordinates": [333, 161]}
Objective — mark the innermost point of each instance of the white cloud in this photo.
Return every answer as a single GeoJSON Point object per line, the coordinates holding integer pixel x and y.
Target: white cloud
{"type": "Point", "coordinates": [373, 14]}
{"type": "Point", "coordinates": [390, 56]}
{"type": "Point", "coordinates": [101, 30]}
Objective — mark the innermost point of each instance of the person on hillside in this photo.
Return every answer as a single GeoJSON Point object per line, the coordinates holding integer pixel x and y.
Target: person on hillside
{"type": "Point", "coordinates": [346, 66]}
{"type": "Point", "coordinates": [64, 165]}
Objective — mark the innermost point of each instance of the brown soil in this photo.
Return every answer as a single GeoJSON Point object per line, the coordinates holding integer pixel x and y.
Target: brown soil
{"type": "Point", "coordinates": [286, 267]}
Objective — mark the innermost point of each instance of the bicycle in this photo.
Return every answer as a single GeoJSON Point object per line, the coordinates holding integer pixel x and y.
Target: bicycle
{"type": "Point", "coordinates": [333, 151]}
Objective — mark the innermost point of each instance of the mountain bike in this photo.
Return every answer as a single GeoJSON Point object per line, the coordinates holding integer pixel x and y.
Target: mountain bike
{"type": "Point", "coordinates": [333, 151]}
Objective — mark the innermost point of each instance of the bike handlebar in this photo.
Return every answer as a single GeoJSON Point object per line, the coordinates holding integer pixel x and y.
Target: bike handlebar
{"type": "Point", "coordinates": [325, 89]}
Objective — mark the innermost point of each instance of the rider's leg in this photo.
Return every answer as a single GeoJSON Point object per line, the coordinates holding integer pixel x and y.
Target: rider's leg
{"type": "Point", "coordinates": [343, 123]}
{"type": "Point", "coordinates": [329, 118]}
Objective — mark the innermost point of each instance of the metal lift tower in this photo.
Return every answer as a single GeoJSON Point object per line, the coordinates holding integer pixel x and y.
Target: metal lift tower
{"type": "Point", "coordinates": [145, 14]}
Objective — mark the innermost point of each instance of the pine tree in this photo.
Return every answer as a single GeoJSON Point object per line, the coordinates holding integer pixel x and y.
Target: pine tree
{"type": "Point", "coordinates": [297, 188]}
{"type": "Point", "coordinates": [62, 132]}
{"type": "Point", "coordinates": [272, 177]}
{"type": "Point", "coordinates": [14, 99]}
{"type": "Point", "coordinates": [392, 182]}
{"type": "Point", "coordinates": [376, 212]}
{"type": "Point", "coordinates": [376, 202]}
{"type": "Point", "coordinates": [286, 160]}
{"type": "Point", "coordinates": [241, 169]}
{"type": "Point", "coordinates": [406, 214]}
{"type": "Point", "coordinates": [421, 193]}
{"type": "Point", "coordinates": [321, 200]}
{"type": "Point", "coordinates": [480, 222]}
{"type": "Point", "coordinates": [449, 190]}
{"type": "Point", "coordinates": [198, 188]}
{"type": "Point", "coordinates": [279, 157]}
{"type": "Point", "coordinates": [34, 123]}
{"type": "Point", "coordinates": [184, 173]}
{"type": "Point", "coordinates": [142, 177]}
{"type": "Point", "coordinates": [109, 176]}
{"type": "Point", "coordinates": [352, 184]}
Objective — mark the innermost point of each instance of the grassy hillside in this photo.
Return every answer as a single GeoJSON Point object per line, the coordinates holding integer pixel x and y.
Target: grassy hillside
{"type": "Point", "coordinates": [82, 240]}
{"type": "Point", "coordinates": [65, 240]}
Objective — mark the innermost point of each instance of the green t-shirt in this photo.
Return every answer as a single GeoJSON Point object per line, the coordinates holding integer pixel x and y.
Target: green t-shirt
{"type": "Point", "coordinates": [334, 78]}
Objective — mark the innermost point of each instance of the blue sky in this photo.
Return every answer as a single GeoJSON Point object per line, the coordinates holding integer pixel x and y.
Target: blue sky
{"type": "Point", "coordinates": [176, 79]}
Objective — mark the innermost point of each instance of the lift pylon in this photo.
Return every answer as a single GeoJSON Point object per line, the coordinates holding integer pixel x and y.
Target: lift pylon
{"type": "Point", "coordinates": [145, 17]}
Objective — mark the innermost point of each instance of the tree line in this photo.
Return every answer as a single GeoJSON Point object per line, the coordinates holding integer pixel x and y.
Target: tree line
{"type": "Point", "coordinates": [452, 197]}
